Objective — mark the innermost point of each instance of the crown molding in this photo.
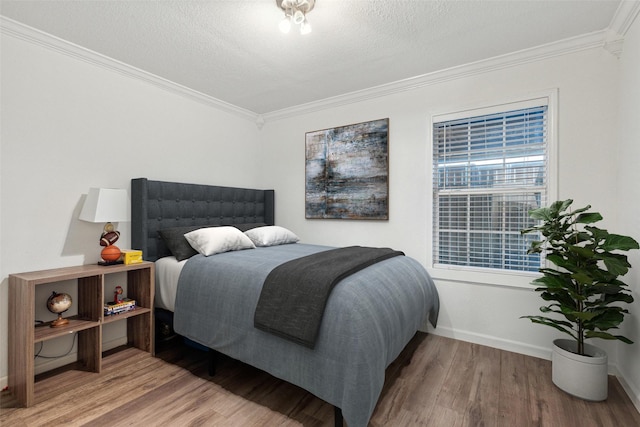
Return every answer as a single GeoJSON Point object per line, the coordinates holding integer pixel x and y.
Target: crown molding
{"type": "Point", "coordinates": [624, 16]}
{"type": "Point", "coordinates": [622, 20]}
{"type": "Point", "coordinates": [563, 47]}
{"type": "Point", "coordinates": [613, 43]}
{"type": "Point", "coordinates": [24, 32]}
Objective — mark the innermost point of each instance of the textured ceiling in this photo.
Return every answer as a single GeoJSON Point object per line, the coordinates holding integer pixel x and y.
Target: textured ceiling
{"type": "Point", "coordinates": [233, 51]}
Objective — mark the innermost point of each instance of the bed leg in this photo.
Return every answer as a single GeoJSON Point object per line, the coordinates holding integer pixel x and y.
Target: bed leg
{"type": "Point", "coordinates": [213, 358]}
{"type": "Point", "coordinates": [337, 416]}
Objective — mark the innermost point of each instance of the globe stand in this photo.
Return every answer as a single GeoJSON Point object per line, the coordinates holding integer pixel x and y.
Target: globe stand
{"type": "Point", "coordinates": [60, 321]}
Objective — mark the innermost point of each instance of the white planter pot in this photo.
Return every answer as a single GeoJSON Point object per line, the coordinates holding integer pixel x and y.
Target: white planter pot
{"type": "Point", "coordinates": [580, 376]}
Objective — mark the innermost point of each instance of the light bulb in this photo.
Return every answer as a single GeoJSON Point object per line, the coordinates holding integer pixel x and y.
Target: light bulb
{"type": "Point", "coordinates": [298, 17]}
{"type": "Point", "coordinates": [305, 27]}
{"type": "Point", "coordinates": [285, 25]}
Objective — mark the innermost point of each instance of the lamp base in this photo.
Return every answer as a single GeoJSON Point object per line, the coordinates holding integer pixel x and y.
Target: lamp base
{"type": "Point", "coordinates": [110, 262]}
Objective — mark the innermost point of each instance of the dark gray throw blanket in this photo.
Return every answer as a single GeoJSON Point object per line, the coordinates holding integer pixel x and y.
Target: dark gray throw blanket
{"type": "Point", "coordinates": [295, 293]}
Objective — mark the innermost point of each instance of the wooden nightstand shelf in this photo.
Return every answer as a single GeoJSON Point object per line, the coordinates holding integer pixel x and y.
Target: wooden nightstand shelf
{"type": "Point", "coordinates": [88, 323]}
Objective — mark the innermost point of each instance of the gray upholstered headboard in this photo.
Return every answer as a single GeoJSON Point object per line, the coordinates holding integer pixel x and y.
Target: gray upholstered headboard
{"type": "Point", "coordinates": [159, 204]}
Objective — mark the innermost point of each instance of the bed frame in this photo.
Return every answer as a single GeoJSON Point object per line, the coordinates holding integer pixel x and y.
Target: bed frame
{"type": "Point", "coordinates": [162, 204]}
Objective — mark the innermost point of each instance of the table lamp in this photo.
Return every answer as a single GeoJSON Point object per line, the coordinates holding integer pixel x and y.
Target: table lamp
{"type": "Point", "coordinates": [107, 205]}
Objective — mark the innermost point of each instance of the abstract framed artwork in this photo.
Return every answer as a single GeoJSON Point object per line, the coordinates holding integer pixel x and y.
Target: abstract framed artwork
{"type": "Point", "coordinates": [347, 172]}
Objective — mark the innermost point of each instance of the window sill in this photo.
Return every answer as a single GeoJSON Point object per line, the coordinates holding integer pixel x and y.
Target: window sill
{"type": "Point", "coordinates": [481, 276]}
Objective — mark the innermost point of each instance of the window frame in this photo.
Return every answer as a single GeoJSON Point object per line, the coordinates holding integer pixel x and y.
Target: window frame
{"type": "Point", "coordinates": [488, 276]}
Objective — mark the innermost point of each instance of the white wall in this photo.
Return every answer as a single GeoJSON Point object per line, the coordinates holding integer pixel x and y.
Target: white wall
{"type": "Point", "coordinates": [587, 116]}
{"type": "Point", "coordinates": [628, 198]}
{"type": "Point", "coordinates": [68, 125]}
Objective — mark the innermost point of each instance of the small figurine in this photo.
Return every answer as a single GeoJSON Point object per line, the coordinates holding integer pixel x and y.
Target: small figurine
{"type": "Point", "coordinates": [118, 295]}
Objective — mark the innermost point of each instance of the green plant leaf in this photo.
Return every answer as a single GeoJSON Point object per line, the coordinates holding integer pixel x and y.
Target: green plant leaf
{"type": "Point", "coordinates": [597, 233]}
{"type": "Point", "coordinates": [582, 278]}
{"type": "Point", "coordinates": [580, 210]}
{"type": "Point", "coordinates": [584, 315]}
{"type": "Point", "coordinates": [616, 297]}
{"type": "Point", "coordinates": [535, 248]}
{"type": "Point", "coordinates": [565, 311]}
{"type": "Point", "coordinates": [616, 264]}
{"type": "Point", "coordinates": [599, 334]}
{"type": "Point", "coordinates": [568, 314]}
{"type": "Point", "coordinates": [566, 297]}
{"type": "Point", "coordinates": [607, 336]}
{"type": "Point", "coordinates": [543, 214]}
{"type": "Point", "coordinates": [529, 230]}
{"type": "Point", "coordinates": [563, 205]}
{"type": "Point", "coordinates": [581, 251]}
{"type": "Point", "coordinates": [617, 242]}
{"type": "Point", "coordinates": [581, 237]}
{"type": "Point", "coordinates": [623, 339]}
{"type": "Point", "coordinates": [609, 318]}
{"type": "Point", "coordinates": [560, 261]}
{"type": "Point", "coordinates": [588, 217]}
{"type": "Point", "coordinates": [552, 323]}
{"type": "Point", "coordinates": [552, 281]}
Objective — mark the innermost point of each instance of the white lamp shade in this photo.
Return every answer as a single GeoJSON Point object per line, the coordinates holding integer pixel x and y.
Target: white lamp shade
{"type": "Point", "coordinates": [105, 205]}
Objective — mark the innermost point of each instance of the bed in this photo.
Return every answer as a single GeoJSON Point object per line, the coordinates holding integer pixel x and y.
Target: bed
{"type": "Point", "coordinates": [369, 317]}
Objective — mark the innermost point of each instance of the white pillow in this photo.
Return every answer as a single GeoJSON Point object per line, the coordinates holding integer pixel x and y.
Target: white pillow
{"type": "Point", "coordinates": [271, 235]}
{"type": "Point", "coordinates": [215, 240]}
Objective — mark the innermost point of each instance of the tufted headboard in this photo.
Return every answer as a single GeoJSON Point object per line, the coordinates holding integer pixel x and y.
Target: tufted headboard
{"type": "Point", "coordinates": [159, 204]}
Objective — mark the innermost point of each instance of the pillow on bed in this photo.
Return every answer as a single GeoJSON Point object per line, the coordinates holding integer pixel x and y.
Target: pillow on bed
{"type": "Point", "coordinates": [215, 240]}
{"type": "Point", "coordinates": [271, 235]}
{"type": "Point", "coordinates": [174, 239]}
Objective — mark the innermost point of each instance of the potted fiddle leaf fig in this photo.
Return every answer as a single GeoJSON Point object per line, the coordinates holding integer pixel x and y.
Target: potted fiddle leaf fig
{"type": "Point", "coordinates": [584, 292]}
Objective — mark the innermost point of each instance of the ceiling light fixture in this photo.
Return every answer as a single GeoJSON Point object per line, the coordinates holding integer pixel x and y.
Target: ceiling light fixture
{"type": "Point", "coordinates": [295, 11]}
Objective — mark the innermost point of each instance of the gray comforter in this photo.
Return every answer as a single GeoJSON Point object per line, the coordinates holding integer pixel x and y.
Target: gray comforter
{"type": "Point", "coordinates": [369, 318]}
{"type": "Point", "coordinates": [295, 294]}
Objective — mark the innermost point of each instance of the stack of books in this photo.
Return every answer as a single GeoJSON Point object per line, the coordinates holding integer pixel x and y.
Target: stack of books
{"type": "Point", "coordinates": [119, 307]}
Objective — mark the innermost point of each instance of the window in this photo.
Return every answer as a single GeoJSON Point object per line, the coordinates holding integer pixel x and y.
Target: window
{"type": "Point", "coordinates": [489, 170]}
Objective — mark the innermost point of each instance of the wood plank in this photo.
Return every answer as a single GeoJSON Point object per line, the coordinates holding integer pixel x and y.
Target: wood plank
{"type": "Point", "coordinates": [514, 391]}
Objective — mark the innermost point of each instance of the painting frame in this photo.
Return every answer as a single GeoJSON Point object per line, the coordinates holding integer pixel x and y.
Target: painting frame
{"type": "Point", "coordinates": [347, 172]}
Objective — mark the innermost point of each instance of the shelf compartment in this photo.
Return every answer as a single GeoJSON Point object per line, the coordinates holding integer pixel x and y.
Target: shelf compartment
{"type": "Point", "coordinates": [139, 334]}
{"type": "Point", "coordinates": [125, 315]}
{"type": "Point", "coordinates": [46, 332]}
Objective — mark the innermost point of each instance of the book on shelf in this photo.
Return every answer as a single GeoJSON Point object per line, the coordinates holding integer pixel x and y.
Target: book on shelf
{"type": "Point", "coordinates": [119, 307]}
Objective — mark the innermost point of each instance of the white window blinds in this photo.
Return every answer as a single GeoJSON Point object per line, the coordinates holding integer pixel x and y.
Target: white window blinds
{"type": "Point", "coordinates": [489, 171]}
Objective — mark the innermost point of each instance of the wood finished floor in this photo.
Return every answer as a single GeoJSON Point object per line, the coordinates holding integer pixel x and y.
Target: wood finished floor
{"type": "Point", "coordinates": [435, 381]}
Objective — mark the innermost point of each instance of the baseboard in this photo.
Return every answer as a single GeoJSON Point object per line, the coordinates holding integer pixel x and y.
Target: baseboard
{"type": "Point", "coordinates": [490, 341]}
{"type": "Point", "coordinates": [632, 392]}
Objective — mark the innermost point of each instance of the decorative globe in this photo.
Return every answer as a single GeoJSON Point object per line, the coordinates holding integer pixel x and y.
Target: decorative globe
{"type": "Point", "coordinates": [59, 302]}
